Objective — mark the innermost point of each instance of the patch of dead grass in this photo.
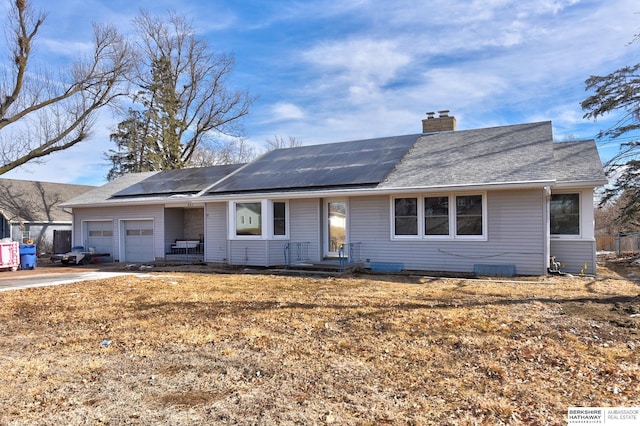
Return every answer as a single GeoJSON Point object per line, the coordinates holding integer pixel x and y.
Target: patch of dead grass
{"type": "Point", "coordinates": [259, 349]}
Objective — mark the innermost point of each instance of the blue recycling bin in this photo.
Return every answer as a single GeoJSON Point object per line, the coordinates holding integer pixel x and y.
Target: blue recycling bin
{"type": "Point", "coordinates": [27, 256]}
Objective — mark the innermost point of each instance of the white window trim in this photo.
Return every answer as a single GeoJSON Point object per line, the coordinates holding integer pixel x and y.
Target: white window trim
{"type": "Point", "coordinates": [392, 222]}
{"type": "Point", "coordinates": [585, 214]}
{"type": "Point", "coordinates": [270, 215]}
{"type": "Point", "coordinates": [483, 236]}
{"type": "Point", "coordinates": [266, 220]}
{"type": "Point", "coordinates": [233, 217]}
{"type": "Point", "coordinates": [452, 218]}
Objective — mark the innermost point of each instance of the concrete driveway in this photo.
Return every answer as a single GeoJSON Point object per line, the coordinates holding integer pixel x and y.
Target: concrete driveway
{"type": "Point", "coordinates": [54, 275]}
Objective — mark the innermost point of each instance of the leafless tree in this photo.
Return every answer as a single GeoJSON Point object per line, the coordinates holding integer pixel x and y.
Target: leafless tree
{"type": "Point", "coordinates": [184, 88]}
{"type": "Point", "coordinates": [278, 142]}
{"type": "Point", "coordinates": [40, 114]}
{"type": "Point", "coordinates": [233, 151]}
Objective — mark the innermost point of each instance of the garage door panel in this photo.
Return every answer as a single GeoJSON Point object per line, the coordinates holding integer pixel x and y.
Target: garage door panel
{"type": "Point", "coordinates": [139, 240]}
{"type": "Point", "coordinates": [100, 236]}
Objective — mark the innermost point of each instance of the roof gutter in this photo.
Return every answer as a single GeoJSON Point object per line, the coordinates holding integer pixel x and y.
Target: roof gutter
{"type": "Point", "coordinates": [380, 191]}
{"type": "Point", "coordinates": [582, 183]}
{"type": "Point", "coordinates": [188, 201]}
{"type": "Point", "coordinates": [199, 200]}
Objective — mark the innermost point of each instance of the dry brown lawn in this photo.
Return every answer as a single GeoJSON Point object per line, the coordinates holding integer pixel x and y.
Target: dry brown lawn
{"type": "Point", "coordinates": [197, 348]}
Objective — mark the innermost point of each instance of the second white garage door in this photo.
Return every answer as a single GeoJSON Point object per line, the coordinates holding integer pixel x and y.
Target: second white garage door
{"type": "Point", "coordinates": [138, 241]}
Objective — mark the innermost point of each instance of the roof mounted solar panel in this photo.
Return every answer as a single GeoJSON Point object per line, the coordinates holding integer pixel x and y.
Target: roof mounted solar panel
{"type": "Point", "coordinates": [355, 163]}
{"type": "Point", "coordinates": [180, 181]}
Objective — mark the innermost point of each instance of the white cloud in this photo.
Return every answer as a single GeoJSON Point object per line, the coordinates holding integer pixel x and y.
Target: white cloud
{"type": "Point", "coordinates": [360, 67]}
{"type": "Point", "coordinates": [286, 111]}
{"type": "Point", "coordinates": [66, 47]}
{"type": "Point", "coordinates": [363, 56]}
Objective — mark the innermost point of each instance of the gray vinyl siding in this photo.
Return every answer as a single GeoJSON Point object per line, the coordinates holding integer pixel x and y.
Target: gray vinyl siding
{"type": "Point", "coordinates": [573, 254]}
{"type": "Point", "coordinates": [215, 241]}
{"type": "Point", "coordinates": [116, 215]}
{"type": "Point", "coordinates": [248, 252]}
{"type": "Point", "coordinates": [276, 252]}
{"type": "Point", "coordinates": [305, 220]}
{"type": "Point", "coordinates": [304, 228]}
{"type": "Point", "coordinates": [515, 228]}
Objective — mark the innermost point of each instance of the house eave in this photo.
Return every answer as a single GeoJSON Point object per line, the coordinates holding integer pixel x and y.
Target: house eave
{"type": "Point", "coordinates": [581, 184]}
{"type": "Point", "coordinates": [165, 201]}
{"type": "Point", "coordinates": [200, 200]}
{"type": "Point", "coordinates": [337, 192]}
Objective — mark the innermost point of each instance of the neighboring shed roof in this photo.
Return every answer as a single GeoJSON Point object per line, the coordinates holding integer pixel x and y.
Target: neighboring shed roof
{"type": "Point", "coordinates": [39, 202]}
{"type": "Point", "coordinates": [347, 164]}
{"type": "Point", "coordinates": [495, 155]}
{"type": "Point", "coordinates": [577, 161]}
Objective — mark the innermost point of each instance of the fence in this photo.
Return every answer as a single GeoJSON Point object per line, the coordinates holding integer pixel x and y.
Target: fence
{"type": "Point", "coordinates": [349, 253]}
{"type": "Point", "coordinates": [296, 252]}
{"type": "Point", "coordinates": [619, 243]}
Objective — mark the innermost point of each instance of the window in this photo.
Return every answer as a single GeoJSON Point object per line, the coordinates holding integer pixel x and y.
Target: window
{"type": "Point", "coordinates": [135, 232]}
{"type": "Point", "coordinates": [565, 214]}
{"type": "Point", "coordinates": [436, 216]}
{"type": "Point", "coordinates": [279, 218]}
{"type": "Point", "coordinates": [249, 219]}
{"type": "Point", "coordinates": [469, 215]}
{"type": "Point", "coordinates": [101, 233]}
{"type": "Point", "coordinates": [258, 219]}
{"type": "Point", "coordinates": [406, 216]}
{"type": "Point", "coordinates": [449, 216]}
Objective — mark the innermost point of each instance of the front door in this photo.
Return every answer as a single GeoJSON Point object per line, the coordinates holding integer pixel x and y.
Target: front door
{"type": "Point", "coordinates": [335, 213]}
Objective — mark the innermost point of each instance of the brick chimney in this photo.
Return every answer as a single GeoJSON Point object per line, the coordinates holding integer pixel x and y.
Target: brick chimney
{"type": "Point", "coordinates": [443, 123]}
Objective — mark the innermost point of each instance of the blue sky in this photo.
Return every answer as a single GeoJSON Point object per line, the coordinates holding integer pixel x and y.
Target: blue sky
{"type": "Point", "coordinates": [338, 70]}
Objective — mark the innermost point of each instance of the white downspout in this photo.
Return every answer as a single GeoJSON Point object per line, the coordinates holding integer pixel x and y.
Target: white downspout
{"type": "Point", "coordinates": [547, 227]}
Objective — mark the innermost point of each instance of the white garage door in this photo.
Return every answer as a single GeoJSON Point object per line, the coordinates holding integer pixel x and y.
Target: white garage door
{"type": "Point", "coordinates": [138, 241]}
{"type": "Point", "coordinates": [100, 236]}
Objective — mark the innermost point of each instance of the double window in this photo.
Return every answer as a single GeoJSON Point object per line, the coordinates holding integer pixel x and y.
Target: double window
{"type": "Point", "coordinates": [450, 216]}
{"type": "Point", "coordinates": [263, 218]}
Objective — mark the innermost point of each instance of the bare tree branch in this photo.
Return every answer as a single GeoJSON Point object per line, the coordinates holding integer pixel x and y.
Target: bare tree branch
{"type": "Point", "coordinates": [40, 115]}
{"type": "Point", "coordinates": [278, 142]}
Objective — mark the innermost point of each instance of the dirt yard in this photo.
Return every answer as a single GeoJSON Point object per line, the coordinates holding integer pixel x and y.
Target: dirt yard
{"type": "Point", "coordinates": [188, 347]}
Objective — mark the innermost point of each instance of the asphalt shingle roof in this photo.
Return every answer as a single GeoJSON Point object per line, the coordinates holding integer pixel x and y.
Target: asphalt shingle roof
{"type": "Point", "coordinates": [506, 154]}
{"type": "Point", "coordinates": [33, 201]}
{"type": "Point", "coordinates": [577, 161]}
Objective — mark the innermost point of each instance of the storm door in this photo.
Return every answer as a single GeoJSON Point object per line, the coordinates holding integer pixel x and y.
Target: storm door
{"type": "Point", "coordinates": [335, 213]}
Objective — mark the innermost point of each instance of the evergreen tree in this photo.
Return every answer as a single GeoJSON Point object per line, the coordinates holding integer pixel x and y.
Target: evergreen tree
{"type": "Point", "coordinates": [620, 92]}
{"type": "Point", "coordinates": [131, 155]}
